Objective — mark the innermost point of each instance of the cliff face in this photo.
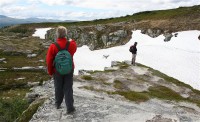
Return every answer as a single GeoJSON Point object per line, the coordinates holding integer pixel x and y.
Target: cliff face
{"type": "Point", "coordinates": [114, 34]}
{"type": "Point", "coordinates": [96, 36]}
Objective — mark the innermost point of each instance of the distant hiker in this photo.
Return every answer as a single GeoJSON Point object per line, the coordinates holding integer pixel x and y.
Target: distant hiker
{"type": "Point", "coordinates": [60, 65]}
{"type": "Point", "coordinates": [133, 50]}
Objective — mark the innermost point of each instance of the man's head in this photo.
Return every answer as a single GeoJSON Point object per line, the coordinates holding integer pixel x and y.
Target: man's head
{"type": "Point", "coordinates": [135, 43]}
{"type": "Point", "coordinates": [61, 32]}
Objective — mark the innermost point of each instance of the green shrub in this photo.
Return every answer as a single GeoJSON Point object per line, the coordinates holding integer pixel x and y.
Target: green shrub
{"type": "Point", "coordinates": [27, 115]}
{"type": "Point", "coordinates": [11, 109]}
{"type": "Point", "coordinates": [118, 84]}
{"type": "Point", "coordinates": [163, 92]}
{"type": "Point", "coordinates": [133, 96]}
{"type": "Point", "coordinates": [86, 77]}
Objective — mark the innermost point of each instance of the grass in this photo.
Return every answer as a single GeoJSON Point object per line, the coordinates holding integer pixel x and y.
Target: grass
{"type": "Point", "coordinates": [130, 95]}
{"type": "Point", "coordinates": [11, 109]}
{"type": "Point", "coordinates": [17, 44]}
{"type": "Point", "coordinates": [98, 71]}
{"type": "Point", "coordinates": [27, 115]}
{"type": "Point", "coordinates": [91, 88]}
{"type": "Point", "coordinates": [166, 77]}
{"type": "Point", "coordinates": [12, 93]}
{"type": "Point", "coordinates": [118, 84]}
{"type": "Point", "coordinates": [86, 77]}
{"type": "Point", "coordinates": [165, 93]}
{"type": "Point", "coordinates": [8, 78]}
{"type": "Point", "coordinates": [159, 92]}
{"type": "Point", "coordinates": [133, 96]}
{"type": "Point", "coordinates": [123, 65]}
{"type": "Point", "coordinates": [169, 79]}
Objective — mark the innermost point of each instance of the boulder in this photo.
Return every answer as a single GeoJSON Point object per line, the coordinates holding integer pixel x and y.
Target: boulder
{"type": "Point", "coordinates": [31, 97]}
{"type": "Point", "coordinates": [2, 59]}
{"type": "Point", "coordinates": [110, 68]}
{"type": "Point", "coordinates": [96, 37]}
{"type": "Point", "coordinates": [168, 37]}
{"type": "Point", "coordinates": [117, 36]}
{"type": "Point", "coordinates": [176, 34]}
{"type": "Point", "coordinates": [104, 38]}
{"type": "Point", "coordinates": [32, 84]}
{"type": "Point", "coordinates": [143, 31]}
{"type": "Point", "coordinates": [115, 63]}
{"type": "Point", "coordinates": [84, 72]}
{"type": "Point", "coordinates": [152, 32]}
{"type": "Point", "coordinates": [100, 27]}
{"type": "Point", "coordinates": [31, 55]}
{"type": "Point", "coordinates": [199, 37]}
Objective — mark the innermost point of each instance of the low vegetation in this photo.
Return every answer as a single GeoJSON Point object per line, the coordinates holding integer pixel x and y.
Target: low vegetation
{"type": "Point", "coordinates": [86, 77]}
{"type": "Point", "coordinates": [118, 84]}
{"type": "Point", "coordinates": [165, 93]}
{"type": "Point", "coordinates": [123, 65]}
{"type": "Point", "coordinates": [133, 96]}
{"type": "Point", "coordinates": [16, 43]}
{"type": "Point", "coordinates": [27, 115]}
{"type": "Point", "coordinates": [157, 91]}
{"type": "Point", "coordinates": [15, 46]}
{"type": "Point", "coordinates": [10, 109]}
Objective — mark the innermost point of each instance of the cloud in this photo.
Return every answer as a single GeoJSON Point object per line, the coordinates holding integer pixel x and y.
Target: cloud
{"type": "Point", "coordinates": [85, 9]}
{"type": "Point", "coordinates": [7, 2]}
{"type": "Point", "coordinates": [52, 2]}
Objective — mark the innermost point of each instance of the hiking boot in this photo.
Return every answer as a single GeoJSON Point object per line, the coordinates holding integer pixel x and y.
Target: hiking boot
{"type": "Point", "coordinates": [57, 106]}
{"type": "Point", "coordinates": [71, 110]}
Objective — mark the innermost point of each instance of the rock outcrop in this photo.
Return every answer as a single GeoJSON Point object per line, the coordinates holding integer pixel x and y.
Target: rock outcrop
{"type": "Point", "coordinates": [109, 35]}
{"type": "Point", "coordinates": [152, 32]}
{"type": "Point", "coordinates": [119, 95]}
{"type": "Point", "coordinates": [97, 36]}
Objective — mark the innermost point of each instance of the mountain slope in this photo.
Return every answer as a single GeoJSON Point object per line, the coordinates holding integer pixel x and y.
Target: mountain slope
{"type": "Point", "coordinates": [8, 21]}
{"type": "Point", "coordinates": [122, 93]}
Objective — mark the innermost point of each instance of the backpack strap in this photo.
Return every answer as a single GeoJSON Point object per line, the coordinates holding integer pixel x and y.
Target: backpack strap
{"type": "Point", "coordinates": [57, 45]}
{"type": "Point", "coordinates": [67, 45]}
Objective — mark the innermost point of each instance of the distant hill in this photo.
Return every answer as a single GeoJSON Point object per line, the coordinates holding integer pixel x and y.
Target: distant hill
{"type": "Point", "coordinates": [8, 21]}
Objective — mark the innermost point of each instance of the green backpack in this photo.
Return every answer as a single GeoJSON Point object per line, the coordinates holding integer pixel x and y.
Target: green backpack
{"type": "Point", "coordinates": [63, 60]}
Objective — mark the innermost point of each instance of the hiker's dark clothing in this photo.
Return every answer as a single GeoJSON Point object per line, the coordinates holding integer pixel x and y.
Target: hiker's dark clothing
{"type": "Point", "coordinates": [64, 87]}
{"type": "Point", "coordinates": [133, 49]}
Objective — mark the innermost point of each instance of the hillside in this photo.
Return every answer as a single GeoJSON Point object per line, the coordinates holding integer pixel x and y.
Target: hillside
{"type": "Point", "coordinates": [23, 69]}
{"type": "Point", "coordinates": [182, 13]}
{"type": "Point", "coordinates": [9, 21]}
{"type": "Point", "coordinates": [122, 93]}
{"type": "Point", "coordinates": [152, 23]}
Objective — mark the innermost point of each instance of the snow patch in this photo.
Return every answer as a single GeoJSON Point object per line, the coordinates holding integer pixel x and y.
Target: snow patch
{"type": "Point", "coordinates": [40, 32]}
{"type": "Point", "coordinates": [178, 58]}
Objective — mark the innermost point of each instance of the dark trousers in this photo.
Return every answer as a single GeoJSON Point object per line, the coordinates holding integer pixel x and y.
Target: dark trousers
{"type": "Point", "coordinates": [63, 87]}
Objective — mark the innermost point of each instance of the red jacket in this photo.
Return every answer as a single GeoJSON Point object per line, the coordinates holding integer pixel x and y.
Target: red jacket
{"type": "Point", "coordinates": [52, 51]}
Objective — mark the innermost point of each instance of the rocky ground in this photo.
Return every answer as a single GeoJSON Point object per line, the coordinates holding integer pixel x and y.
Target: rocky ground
{"type": "Point", "coordinates": [100, 96]}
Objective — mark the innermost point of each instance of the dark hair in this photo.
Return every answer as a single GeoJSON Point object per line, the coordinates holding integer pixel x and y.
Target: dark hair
{"type": "Point", "coordinates": [135, 43]}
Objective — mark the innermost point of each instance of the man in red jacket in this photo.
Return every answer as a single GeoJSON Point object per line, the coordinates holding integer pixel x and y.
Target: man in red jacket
{"type": "Point", "coordinates": [63, 83]}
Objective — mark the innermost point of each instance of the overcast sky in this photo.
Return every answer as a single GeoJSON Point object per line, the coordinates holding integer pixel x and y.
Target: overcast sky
{"type": "Point", "coordinates": [84, 9]}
